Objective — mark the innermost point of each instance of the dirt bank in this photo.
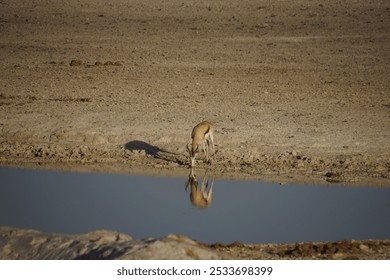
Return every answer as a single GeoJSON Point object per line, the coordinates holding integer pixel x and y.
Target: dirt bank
{"type": "Point", "coordinates": [298, 90]}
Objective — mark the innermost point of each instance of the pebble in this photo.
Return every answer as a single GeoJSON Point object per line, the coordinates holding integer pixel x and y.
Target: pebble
{"type": "Point", "coordinates": [76, 62]}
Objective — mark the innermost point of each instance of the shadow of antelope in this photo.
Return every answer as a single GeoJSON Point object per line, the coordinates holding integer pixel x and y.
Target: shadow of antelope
{"type": "Point", "coordinates": [153, 151]}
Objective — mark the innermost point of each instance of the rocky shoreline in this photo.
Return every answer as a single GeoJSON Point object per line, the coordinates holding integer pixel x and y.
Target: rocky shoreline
{"type": "Point", "coordinates": [24, 244]}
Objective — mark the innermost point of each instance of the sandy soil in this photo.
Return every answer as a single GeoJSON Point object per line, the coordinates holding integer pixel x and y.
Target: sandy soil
{"type": "Point", "coordinates": [298, 90]}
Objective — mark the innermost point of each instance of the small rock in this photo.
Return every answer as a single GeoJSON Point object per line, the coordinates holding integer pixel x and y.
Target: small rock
{"type": "Point", "coordinates": [98, 140]}
{"type": "Point", "coordinates": [76, 62]}
{"type": "Point", "coordinates": [84, 150]}
{"type": "Point", "coordinates": [364, 247]}
{"type": "Point", "coordinates": [294, 153]}
{"type": "Point", "coordinates": [338, 256]}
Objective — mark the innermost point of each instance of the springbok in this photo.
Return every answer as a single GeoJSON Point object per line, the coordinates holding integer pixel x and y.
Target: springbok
{"type": "Point", "coordinates": [203, 133]}
{"type": "Point", "coordinates": [199, 196]}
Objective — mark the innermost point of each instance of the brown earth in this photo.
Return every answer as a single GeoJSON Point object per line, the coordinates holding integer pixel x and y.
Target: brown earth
{"type": "Point", "coordinates": [299, 91]}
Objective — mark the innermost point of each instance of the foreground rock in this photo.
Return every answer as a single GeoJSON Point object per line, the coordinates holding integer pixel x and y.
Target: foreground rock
{"type": "Point", "coordinates": [30, 244]}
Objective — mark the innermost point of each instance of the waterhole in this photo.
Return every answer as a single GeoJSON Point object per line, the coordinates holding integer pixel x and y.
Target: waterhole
{"type": "Point", "coordinates": [199, 206]}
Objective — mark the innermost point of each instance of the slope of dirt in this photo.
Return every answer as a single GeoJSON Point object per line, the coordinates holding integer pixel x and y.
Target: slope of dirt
{"type": "Point", "coordinates": [298, 90]}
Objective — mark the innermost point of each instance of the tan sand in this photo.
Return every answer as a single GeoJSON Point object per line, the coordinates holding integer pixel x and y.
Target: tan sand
{"type": "Point", "coordinates": [299, 91]}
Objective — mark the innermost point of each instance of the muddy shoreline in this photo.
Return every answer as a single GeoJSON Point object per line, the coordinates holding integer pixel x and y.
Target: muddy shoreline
{"type": "Point", "coordinates": [283, 168]}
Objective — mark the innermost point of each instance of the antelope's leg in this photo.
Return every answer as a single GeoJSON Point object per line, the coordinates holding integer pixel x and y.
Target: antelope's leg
{"type": "Point", "coordinates": [212, 142]}
{"type": "Point", "coordinates": [205, 183]}
{"type": "Point", "coordinates": [210, 194]}
{"type": "Point", "coordinates": [211, 139]}
{"type": "Point", "coordinates": [206, 150]}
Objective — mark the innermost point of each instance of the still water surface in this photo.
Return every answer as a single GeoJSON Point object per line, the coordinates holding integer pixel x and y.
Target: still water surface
{"type": "Point", "coordinates": [246, 211]}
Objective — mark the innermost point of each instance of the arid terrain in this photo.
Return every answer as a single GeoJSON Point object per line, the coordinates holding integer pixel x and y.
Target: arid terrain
{"type": "Point", "coordinates": [299, 91]}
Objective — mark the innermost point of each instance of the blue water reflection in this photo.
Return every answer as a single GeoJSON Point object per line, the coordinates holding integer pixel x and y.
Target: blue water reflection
{"type": "Point", "coordinates": [246, 211]}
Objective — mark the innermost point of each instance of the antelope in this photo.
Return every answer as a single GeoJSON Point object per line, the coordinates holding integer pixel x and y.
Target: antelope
{"type": "Point", "coordinates": [201, 134]}
{"type": "Point", "coordinates": [199, 196]}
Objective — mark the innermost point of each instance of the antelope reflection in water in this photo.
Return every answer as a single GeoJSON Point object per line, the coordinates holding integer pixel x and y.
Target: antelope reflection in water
{"type": "Point", "coordinates": [200, 196]}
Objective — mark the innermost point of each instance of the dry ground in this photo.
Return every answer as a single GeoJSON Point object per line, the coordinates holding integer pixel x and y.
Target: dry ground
{"type": "Point", "coordinates": [298, 90]}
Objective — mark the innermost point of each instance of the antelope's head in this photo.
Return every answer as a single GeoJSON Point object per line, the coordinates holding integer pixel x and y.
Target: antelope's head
{"type": "Point", "coordinates": [193, 151]}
